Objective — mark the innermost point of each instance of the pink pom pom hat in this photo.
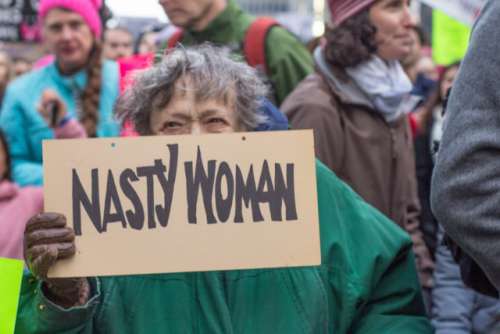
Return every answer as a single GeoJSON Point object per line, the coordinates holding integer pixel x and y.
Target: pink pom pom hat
{"type": "Point", "coordinates": [87, 9]}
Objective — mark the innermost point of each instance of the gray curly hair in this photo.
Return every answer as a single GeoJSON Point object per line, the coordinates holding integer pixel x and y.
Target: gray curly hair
{"type": "Point", "coordinates": [212, 74]}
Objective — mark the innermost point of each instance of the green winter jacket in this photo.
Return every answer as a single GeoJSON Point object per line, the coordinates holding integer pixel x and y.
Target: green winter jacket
{"type": "Point", "coordinates": [288, 61]}
{"type": "Point", "coordinates": [367, 283]}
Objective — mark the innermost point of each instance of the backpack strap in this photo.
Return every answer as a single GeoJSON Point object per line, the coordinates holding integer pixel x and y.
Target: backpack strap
{"type": "Point", "coordinates": [254, 44]}
{"type": "Point", "coordinates": [174, 39]}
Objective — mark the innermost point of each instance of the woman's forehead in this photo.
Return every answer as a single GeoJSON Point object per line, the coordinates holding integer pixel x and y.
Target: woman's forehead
{"type": "Point", "coordinates": [184, 86]}
{"type": "Point", "coordinates": [61, 14]}
{"type": "Point", "coordinates": [189, 88]}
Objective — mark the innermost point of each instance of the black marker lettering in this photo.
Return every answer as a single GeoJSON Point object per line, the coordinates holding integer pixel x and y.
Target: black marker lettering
{"type": "Point", "coordinates": [246, 191]}
{"type": "Point", "coordinates": [92, 208]}
{"type": "Point", "coordinates": [149, 172]}
{"type": "Point", "coordinates": [112, 198]}
{"type": "Point", "coordinates": [200, 179]}
{"type": "Point", "coordinates": [135, 219]}
{"type": "Point", "coordinates": [284, 193]}
{"type": "Point", "coordinates": [223, 205]}
{"type": "Point", "coordinates": [167, 184]}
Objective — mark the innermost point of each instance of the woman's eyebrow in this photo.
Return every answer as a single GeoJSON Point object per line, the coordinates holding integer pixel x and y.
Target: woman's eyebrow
{"type": "Point", "coordinates": [212, 112]}
{"type": "Point", "coordinates": [181, 115]}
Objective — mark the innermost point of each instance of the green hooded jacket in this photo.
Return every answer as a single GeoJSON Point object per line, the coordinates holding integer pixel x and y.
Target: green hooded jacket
{"type": "Point", "coordinates": [367, 283]}
{"type": "Point", "coordinates": [288, 61]}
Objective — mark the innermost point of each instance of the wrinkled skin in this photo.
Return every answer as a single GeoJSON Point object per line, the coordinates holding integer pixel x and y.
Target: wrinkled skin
{"type": "Point", "coordinates": [48, 239]}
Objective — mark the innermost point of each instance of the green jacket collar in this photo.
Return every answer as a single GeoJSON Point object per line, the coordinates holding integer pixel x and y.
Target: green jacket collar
{"type": "Point", "coordinates": [217, 30]}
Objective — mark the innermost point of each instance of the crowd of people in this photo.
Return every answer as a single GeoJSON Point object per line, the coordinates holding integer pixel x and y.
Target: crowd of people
{"type": "Point", "coordinates": [402, 252]}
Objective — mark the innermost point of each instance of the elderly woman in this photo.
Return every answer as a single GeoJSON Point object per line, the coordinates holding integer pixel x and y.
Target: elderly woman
{"type": "Point", "coordinates": [355, 104]}
{"type": "Point", "coordinates": [366, 283]}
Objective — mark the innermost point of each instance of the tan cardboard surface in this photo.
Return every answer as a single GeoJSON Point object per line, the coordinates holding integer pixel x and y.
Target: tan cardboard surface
{"type": "Point", "coordinates": [129, 246]}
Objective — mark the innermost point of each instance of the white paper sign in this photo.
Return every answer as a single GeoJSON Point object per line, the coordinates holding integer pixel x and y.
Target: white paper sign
{"type": "Point", "coordinates": [465, 11]}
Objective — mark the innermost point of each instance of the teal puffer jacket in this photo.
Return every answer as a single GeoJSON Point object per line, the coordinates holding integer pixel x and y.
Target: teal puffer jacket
{"type": "Point", "coordinates": [25, 128]}
{"type": "Point", "coordinates": [367, 283]}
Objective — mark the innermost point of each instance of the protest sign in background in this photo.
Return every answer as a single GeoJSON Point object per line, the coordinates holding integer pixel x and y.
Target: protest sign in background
{"type": "Point", "coordinates": [451, 27]}
{"type": "Point", "coordinates": [450, 38]}
{"type": "Point", "coordinates": [185, 203]}
{"type": "Point", "coordinates": [465, 11]}
{"type": "Point", "coordinates": [11, 272]}
{"type": "Point", "coordinates": [18, 20]}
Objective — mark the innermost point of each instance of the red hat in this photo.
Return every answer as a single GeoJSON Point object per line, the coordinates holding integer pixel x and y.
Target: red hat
{"type": "Point", "coordinates": [341, 10]}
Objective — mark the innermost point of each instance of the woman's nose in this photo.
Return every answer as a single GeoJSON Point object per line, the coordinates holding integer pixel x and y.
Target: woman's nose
{"type": "Point", "coordinates": [408, 19]}
{"type": "Point", "coordinates": [196, 129]}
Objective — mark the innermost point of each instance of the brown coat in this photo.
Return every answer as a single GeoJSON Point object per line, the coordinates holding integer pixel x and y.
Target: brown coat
{"type": "Point", "coordinates": [374, 157]}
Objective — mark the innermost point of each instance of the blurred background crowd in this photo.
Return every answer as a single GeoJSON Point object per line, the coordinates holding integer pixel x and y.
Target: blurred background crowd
{"type": "Point", "coordinates": [440, 33]}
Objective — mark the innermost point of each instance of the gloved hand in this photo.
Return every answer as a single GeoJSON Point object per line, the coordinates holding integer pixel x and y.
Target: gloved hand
{"type": "Point", "coordinates": [47, 239]}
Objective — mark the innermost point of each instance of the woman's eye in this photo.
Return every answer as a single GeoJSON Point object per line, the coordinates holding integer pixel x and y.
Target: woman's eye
{"type": "Point", "coordinates": [75, 25]}
{"type": "Point", "coordinates": [396, 4]}
{"type": "Point", "coordinates": [217, 120]}
{"type": "Point", "coordinates": [173, 125]}
{"type": "Point", "coordinates": [168, 127]}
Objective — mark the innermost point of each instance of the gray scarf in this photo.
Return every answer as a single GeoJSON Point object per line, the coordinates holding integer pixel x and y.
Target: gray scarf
{"type": "Point", "coordinates": [382, 85]}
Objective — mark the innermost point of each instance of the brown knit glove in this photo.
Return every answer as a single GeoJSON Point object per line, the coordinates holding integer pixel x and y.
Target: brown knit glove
{"type": "Point", "coordinates": [47, 239]}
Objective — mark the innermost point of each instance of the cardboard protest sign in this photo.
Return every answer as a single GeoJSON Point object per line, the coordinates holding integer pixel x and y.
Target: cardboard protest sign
{"type": "Point", "coordinates": [11, 273]}
{"type": "Point", "coordinates": [185, 203]}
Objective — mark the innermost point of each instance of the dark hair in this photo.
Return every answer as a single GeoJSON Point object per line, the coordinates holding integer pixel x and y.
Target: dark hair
{"type": "Point", "coordinates": [154, 29]}
{"type": "Point", "coordinates": [447, 69]}
{"type": "Point", "coordinates": [435, 98]}
{"type": "Point", "coordinates": [351, 43]}
{"type": "Point", "coordinates": [91, 94]}
{"type": "Point", "coordinates": [3, 142]}
{"type": "Point", "coordinates": [313, 43]}
{"type": "Point", "coordinates": [444, 101]}
{"type": "Point", "coordinates": [140, 38]}
{"type": "Point", "coordinates": [422, 37]}
{"type": "Point", "coordinates": [105, 14]}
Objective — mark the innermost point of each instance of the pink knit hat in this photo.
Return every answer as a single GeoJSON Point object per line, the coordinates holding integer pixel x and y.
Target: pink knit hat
{"type": "Point", "coordinates": [341, 10]}
{"type": "Point", "coordinates": [88, 9]}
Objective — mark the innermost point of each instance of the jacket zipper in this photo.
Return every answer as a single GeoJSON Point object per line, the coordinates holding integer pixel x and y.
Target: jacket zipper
{"type": "Point", "coordinates": [392, 170]}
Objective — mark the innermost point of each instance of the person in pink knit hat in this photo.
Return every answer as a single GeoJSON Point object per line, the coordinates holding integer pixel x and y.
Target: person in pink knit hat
{"type": "Point", "coordinates": [83, 83]}
{"type": "Point", "coordinates": [356, 104]}
{"type": "Point", "coordinates": [87, 9]}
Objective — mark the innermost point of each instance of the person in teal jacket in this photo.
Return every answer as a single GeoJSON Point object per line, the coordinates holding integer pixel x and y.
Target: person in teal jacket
{"type": "Point", "coordinates": [87, 86]}
{"type": "Point", "coordinates": [366, 283]}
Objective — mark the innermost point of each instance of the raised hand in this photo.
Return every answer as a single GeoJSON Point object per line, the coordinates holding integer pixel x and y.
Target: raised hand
{"type": "Point", "coordinates": [47, 239]}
